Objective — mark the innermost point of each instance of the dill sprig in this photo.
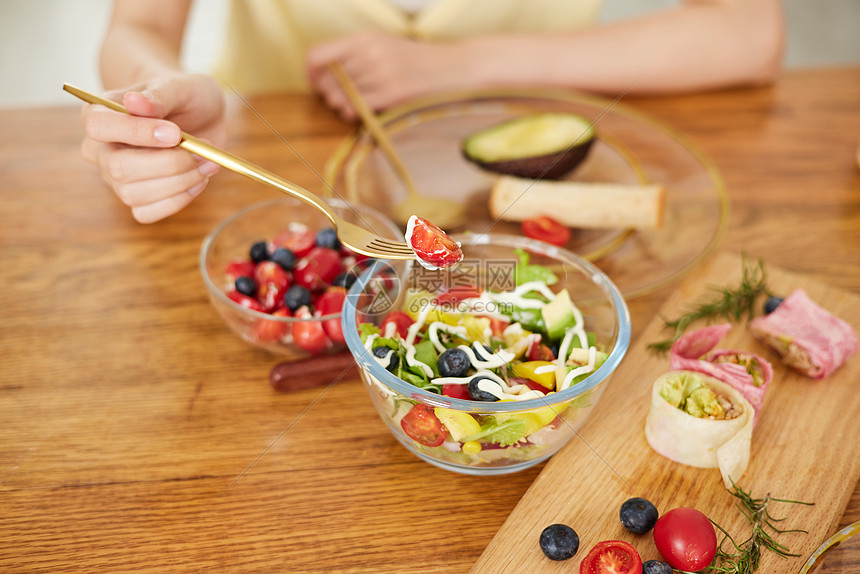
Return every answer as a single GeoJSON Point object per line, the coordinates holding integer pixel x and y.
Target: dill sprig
{"type": "Point", "coordinates": [729, 304]}
{"type": "Point", "coordinates": [744, 558]}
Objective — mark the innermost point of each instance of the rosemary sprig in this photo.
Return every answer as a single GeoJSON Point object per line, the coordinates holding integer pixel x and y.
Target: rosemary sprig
{"type": "Point", "coordinates": [730, 304]}
{"type": "Point", "coordinates": [744, 558]}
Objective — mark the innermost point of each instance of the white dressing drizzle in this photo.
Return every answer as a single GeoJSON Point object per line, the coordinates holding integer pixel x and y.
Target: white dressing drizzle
{"type": "Point", "coordinates": [412, 332]}
{"type": "Point", "coordinates": [390, 330]}
{"type": "Point", "coordinates": [413, 362]}
{"type": "Point", "coordinates": [436, 326]}
{"type": "Point", "coordinates": [573, 373]}
{"type": "Point", "coordinates": [383, 361]}
{"type": "Point", "coordinates": [516, 298]}
{"type": "Point", "coordinates": [495, 359]}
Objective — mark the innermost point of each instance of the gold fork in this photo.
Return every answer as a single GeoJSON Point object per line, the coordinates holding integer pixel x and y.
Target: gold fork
{"type": "Point", "coordinates": [352, 236]}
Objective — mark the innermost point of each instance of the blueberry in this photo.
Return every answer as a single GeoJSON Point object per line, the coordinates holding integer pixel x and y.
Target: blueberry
{"type": "Point", "coordinates": [771, 304]}
{"type": "Point", "coordinates": [638, 515]}
{"type": "Point", "coordinates": [344, 280]}
{"type": "Point", "coordinates": [380, 353]}
{"type": "Point", "coordinates": [259, 252]}
{"type": "Point", "coordinates": [297, 296]}
{"type": "Point", "coordinates": [559, 542]}
{"type": "Point", "coordinates": [453, 363]}
{"type": "Point", "coordinates": [479, 395]}
{"type": "Point", "coordinates": [656, 567]}
{"type": "Point", "coordinates": [284, 257]}
{"type": "Point", "coordinates": [328, 238]}
{"type": "Point", "coordinates": [246, 286]}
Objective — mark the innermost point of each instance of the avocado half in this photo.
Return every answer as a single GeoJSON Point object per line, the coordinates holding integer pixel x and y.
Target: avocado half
{"type": "Point", "coordinates": [547, 145]}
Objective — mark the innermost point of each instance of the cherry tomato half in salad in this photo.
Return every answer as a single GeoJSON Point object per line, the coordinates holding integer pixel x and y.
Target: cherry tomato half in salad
{"type": "Point", "coordinates": [269, 330]}
{"type": "Point", "coordinates": [611, 557]}
{"type": "Point", "coordinates": [422, 425]}
{"type": "Point", "coordinates": [328, 303]}
{"type": "Point", "coordinates": [546, 229]}
{"type": "Point", "coordinates": [309, 335]}
{"type": "Point", "coordinates": [686, 539]}
{"type": "Point", "coordinates": [298, 238]}
{"type": "Point", "coordinates": [401, 321]}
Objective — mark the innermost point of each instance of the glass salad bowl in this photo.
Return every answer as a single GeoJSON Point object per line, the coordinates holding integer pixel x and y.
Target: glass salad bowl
{"type": "Point", "coordinates": [263, 319]}
{"type": "Point", "coordinates": [491, 366]}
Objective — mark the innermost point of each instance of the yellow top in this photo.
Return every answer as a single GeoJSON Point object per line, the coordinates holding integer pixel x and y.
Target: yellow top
{"type": "Point", "coordinates": [267, 40]}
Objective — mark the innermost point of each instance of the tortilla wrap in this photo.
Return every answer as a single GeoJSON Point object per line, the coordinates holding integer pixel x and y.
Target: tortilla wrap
{"type": "Point", "coordinates": [701, 442]}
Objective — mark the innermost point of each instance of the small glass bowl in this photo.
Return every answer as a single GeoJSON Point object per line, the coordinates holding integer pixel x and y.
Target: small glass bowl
{"type": "Point", "coordinates": [232, 239]}
{"type": "Point", "coordinates": [488, 258]}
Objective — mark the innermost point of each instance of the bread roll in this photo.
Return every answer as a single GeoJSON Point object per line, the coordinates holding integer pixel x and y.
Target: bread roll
{"type": "Point", "coordinates": [579, 204]}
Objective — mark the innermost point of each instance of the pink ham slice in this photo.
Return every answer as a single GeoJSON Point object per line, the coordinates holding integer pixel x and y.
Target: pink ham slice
{"type": "Point", "coordinates": [809, 339]}
{"type": "Point", "coordinates": [694, 352]}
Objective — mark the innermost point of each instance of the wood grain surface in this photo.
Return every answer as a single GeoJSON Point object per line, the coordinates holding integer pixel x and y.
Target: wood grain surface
{"type": "Point", "coordinates": [138, 434]}
{"type": "Point", "coordinates": [805, 427]}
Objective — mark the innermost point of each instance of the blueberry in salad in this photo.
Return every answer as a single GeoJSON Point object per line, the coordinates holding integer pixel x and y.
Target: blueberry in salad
{"type": "Point", "coordinates": [489, 347]}
{"type": "Point", "coordinates": [559, 542]}
{"type": "Point", "coordinates": [454, 363]}
{"type": "Point", "coordinates": [259, 251]}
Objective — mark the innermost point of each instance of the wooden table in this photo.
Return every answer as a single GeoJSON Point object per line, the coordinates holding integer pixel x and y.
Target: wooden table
{"type": "Point", "coordinates": [138, 434]}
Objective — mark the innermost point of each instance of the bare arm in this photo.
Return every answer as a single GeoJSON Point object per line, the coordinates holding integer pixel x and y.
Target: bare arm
{"type": "Point", "coordinates": [702, 44]}
{"type": "Point", "coordinates": [143, 41]}
{"type": "Point", "coordinates": [137, 154]}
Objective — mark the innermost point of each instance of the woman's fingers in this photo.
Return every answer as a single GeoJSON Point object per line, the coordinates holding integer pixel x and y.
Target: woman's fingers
{"type": "Point", "coordinates": [150, 191]}
{"type": "Point", "coordinates": [159, 210]}
{"type": "Point", "coordinates": [108, 126]}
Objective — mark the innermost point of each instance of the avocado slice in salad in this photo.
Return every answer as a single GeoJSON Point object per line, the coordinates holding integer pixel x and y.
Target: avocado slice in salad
{"type": "Point", "coordinates": [558, 315]}
{"type": "Point", "coordinates": [578, 358]}
{"type": "Point", "coordinates": [541, 145]}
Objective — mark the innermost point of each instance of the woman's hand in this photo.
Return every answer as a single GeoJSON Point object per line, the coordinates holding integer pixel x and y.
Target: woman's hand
{"type": "Point", "coordinates": [387, 69]}
{"type": "Point", "coordinates": [137, 153]}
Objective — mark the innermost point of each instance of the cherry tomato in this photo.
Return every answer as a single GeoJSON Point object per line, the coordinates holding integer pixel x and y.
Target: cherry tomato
{"type": "Point", "coordinates": [298, 238]}
{"type": "Point", "coordinates": [539, 352]}
{"type": "Point", "coordinates": [309, 335]}
{"type": "Point", "coordinates": [611, 557]}
{"type": "Point", "coordinates": [245, 301]}
{"type": "Point", "coordinates": [401, 321]}
{"type": "Point", "coordinates": [546, 229]}
{"type": "Point", "coordinates": [456, 294]}
{"type": "Point", "coordinates": [272, 283]}
{"type": "Point", "coordinates": [686, 539]}
{"type": "Point", "coordinates": [456, 391]}
{"type": "Point", "coordinates": [422, 425]}
{"type": "Point", "coordinates": [497, 326]}
{"type": "Point", "coordinates": [240, 268]}
{"type": "Point", "coordinates": [329, 303]}
{"type": "Point", "coordinates": [269, 330]}
{"type": "Point", "coordinates": [318, 268]}
{"type": "Point", "coordinates": [431, 244]}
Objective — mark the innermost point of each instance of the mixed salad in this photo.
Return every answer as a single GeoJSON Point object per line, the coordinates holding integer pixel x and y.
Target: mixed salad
{"type": "Point", "coordinates": [485, 346]}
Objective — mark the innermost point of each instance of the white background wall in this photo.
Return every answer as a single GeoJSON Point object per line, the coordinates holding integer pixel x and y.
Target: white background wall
{"type": "Point", "coordinates": [44, 43]}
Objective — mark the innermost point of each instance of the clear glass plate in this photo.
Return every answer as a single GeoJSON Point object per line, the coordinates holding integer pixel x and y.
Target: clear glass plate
{"type": "Point", "coordinates": [631, 148]}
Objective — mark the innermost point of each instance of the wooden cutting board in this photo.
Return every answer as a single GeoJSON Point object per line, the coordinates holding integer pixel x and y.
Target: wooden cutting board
{"type": "Point", "coordinates": [806, 446]}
